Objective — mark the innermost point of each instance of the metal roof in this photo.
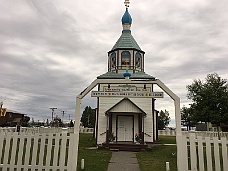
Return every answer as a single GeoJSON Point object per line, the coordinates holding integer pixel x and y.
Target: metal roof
{"type": "Point", "coordinates": [112, 75]}
{"type": "Point", "coordinates": [126, 41]}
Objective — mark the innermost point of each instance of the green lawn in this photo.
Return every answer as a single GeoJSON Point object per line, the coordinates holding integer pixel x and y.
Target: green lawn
{"type": "Point", "coordinates": [156, 157]}
{"type": "Point", "coordinates": [95, 160]}
{"type": "Point", "coordinates": [167, 139]}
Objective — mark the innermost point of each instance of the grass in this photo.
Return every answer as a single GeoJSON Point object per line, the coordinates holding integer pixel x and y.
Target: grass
{"type": "Point", "coordinates": [156, 157]}
{"type": "Point", "coordinates": [167, 139]}
{"type": "Point", "coordinates": [95, 160]}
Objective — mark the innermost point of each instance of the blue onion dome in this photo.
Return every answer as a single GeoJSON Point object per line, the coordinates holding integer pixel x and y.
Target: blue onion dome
{"type": "Point", "coordinates": [126, 19]}
{"type": "Point", "coordinates": [127, 74]}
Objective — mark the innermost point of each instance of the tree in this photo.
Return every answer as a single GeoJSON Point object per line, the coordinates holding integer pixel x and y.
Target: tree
{"type": "Point", "coordinates": [71, 124]}
{"type": "Point", "coordinates": [163, 119]}
{"type": "Point", "coordinates": [210, 99]}
{"type": "Point", "coordinates": [57, 122]}
{"type": "Point", "coordinates": [88, 117]}
{"type": "Point", "coordinates": [25, 121]}
{"type": "Point", "coordinates": [187, 117]}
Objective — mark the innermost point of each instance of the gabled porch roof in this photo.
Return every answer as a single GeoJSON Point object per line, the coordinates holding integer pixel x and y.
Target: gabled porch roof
{"type": "Point", "coordinates": [125, 106]}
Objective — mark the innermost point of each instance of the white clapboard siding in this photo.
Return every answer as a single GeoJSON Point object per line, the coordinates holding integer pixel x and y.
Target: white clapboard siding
{"type": "Point", "coordinates": [37, 152]}
{"type": "Point", "coordinates": [204, 154]}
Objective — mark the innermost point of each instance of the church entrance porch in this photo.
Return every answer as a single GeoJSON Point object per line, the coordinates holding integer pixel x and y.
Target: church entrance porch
{"type": "Point", "coordinates": [124, 127]}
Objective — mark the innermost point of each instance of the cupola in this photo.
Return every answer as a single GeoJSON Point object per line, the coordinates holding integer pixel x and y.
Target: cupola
{"type": "Point", "coordinates": [126, 21]}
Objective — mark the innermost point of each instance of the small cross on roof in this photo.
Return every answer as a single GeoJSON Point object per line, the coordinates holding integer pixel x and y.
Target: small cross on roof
{"type": "Point", "coordinates": [127, 2]}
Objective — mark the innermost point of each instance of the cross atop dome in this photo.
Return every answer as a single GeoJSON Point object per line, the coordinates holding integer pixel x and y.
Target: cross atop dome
{"type": "Point", "coordinates": [127, 2]}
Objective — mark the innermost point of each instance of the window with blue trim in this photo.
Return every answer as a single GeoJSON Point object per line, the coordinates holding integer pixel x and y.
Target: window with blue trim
{"type": "Point", "coordinates": [113, 60]}
{"type": "Point", "coordinates": [125, 58]}
{"type": "Point", "coordinates": [138, 60]}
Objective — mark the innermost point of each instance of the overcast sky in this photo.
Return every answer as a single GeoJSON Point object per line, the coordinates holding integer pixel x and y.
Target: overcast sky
{"type": "Point", "coordinates": [51, 50]}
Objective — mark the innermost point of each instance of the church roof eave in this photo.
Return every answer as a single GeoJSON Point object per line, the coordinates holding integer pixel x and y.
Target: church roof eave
{"type": "Point", "coordinates": [138, 75]}
{"type": "Point", "coordinates": [107, 112]}
{"type": "Point", "coordinates": [126, 49]}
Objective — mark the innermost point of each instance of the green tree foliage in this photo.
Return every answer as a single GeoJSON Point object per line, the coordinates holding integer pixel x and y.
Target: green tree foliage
{"type": "Point", "coordinates": [187, 117]}
{"type": "Point", "coordinates": [57, 122]}
{"type": "Point", "coordinates": [25, 121]}
{"type": "Point", "coordinates": [88, 117]}
{"type": "Point", "coordinates": [71, 123]}
{"type": "Point", "coordinates": [163, 119]}
{"type": "Point", "coordinates": [210, 99]}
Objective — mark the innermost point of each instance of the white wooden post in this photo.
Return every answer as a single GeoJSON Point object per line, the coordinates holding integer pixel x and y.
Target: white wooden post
{"type": "Point", "coordinates": [76, 135]}
{"type": "Point", "coordinates": [167, 166]}
{"type": "Point", "coordinates": [82, 164]}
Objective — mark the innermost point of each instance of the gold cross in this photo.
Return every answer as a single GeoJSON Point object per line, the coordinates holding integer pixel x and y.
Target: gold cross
{"type": "Point", "coordinates": [127, 2]}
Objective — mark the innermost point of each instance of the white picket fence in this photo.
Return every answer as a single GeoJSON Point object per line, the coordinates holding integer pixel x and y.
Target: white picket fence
{"type": "Point", "coordinates": [204, 154]}
{"type": "Point", "coordinates": [34, 152]}
{"type": "Point", "coordinates": [210, 134]}
{"type": "Point", "coordinates": [41, 130]}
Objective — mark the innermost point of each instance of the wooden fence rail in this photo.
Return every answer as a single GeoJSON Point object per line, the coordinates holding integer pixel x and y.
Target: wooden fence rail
{"type": "Point", "coordinates": [37, 151]}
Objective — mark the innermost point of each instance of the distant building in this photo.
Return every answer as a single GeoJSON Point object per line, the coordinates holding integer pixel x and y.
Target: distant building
{"type": "Point", "coordinates": [12, 118]}
{"type": "Point", "coordinates": [208, 126]}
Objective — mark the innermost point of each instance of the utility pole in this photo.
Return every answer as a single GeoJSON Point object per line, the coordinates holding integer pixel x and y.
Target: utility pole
{"type": "Point", "coordinates": [1, 103]}
{"type": "Point", "coordinates": [63, 113]}
{"type": "Point", "coordinates": [52, 114]}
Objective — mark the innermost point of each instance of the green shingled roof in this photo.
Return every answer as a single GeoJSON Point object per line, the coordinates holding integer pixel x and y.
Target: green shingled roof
{"type": "Point", "coordinates": [112, 75]}
{"type": "Point", "coordinates": [126, 41]}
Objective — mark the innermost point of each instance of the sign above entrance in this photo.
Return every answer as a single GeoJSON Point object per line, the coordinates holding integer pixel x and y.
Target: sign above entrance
{"type": "Point", "coordinates": [136, 94]}
{"type": "Point", "coordinates": [121, 89]}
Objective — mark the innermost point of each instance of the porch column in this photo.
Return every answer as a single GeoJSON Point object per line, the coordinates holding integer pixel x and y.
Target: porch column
{"type": "Point", "coordinates": [107, 129]}
{"type": "Point", "coordinates": [110, 125]}
{"type": "Point", "coordinates": [141, 133]}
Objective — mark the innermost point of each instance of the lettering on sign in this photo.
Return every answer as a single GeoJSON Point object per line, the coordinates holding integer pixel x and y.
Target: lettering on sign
{"type": "Point", "coordinates": [136, 94]}
{"type": "Point", "coordinates": [125, 88]}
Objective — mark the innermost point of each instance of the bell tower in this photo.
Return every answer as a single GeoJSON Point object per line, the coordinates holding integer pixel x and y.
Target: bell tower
{"type": "Point", "coordinates": [126, 53]}
{"type": "Point", "coordinates": [126, 56]}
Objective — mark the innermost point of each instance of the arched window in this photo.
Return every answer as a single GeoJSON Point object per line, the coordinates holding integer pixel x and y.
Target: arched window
{"type": "Point", "coordinates": [113, 60]}
{"type": "Point", "coordinates": [138, 60]}
{"type": "Point", "coordinates": [125, 58]}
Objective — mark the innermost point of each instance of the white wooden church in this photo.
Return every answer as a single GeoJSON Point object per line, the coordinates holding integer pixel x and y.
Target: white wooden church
{"type": "Point", "coordinates": [126, 113]}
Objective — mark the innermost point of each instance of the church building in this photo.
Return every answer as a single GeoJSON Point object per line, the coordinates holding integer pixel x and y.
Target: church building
{"type": "Point", "coordinates": [126, 113]}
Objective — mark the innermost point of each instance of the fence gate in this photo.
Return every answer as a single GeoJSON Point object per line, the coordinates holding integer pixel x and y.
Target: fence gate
{"type": "Point", "coordinates": [37, 152]}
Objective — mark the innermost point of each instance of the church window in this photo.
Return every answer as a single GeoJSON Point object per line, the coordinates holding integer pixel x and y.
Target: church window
{"type": "Point", "coordinates": [138, 60]}
{"type": "Point", "coordinates": [125, 58]}
{"type": "Point", "coordinates": [113, 60]}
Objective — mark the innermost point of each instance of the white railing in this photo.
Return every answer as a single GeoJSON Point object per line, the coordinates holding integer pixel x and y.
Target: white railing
{"type": "Point", "coordinates": [37, 151]}
{"type": "Point", "coordinates": [41, 130]}
{"type": "Point", "coordinates": [210, 134]}
{"type": "Point", "coordinates": [203, 153]}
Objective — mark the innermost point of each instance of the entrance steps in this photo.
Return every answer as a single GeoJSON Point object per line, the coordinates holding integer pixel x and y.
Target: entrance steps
{"type": "Point", "coordinates": [125, 146]}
